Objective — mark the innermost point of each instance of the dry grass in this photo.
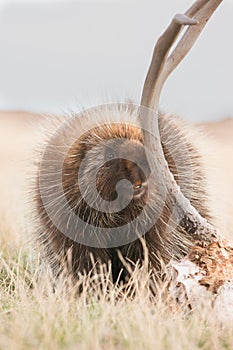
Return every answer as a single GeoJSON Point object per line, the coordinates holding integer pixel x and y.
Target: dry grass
{"type": "Point", "coordinates": [32, 316]}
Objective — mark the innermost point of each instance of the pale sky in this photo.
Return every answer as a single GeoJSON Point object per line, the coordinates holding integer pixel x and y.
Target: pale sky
{"type": "Point", "coordinates": [61, 55]}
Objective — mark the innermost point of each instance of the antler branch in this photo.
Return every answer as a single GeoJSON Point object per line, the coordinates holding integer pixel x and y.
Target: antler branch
{"type": "Point", "coordinates": [162, 65]}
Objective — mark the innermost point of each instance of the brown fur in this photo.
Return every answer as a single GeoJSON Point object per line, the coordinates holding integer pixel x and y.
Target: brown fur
{"type": "Point", "coordinates": [161, 245]}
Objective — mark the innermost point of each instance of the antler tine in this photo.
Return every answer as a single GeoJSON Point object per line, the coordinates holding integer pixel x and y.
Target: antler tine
{"type": "Point", "coordinates": [162, 65]}
{"type": "Point", "coordinates": [192, 33]}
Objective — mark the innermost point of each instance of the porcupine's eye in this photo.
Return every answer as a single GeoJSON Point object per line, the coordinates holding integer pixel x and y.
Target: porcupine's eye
{"type": "Point", "coordinates": [109, 155]}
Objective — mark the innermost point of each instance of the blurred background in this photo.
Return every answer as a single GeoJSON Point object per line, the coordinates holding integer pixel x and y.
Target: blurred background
{"type": "Point", "coordinates": [59, 55]}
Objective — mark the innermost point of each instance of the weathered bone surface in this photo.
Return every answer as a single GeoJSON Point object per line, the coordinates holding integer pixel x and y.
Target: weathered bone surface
{"type": "Point", "coordinates": [205, 274]}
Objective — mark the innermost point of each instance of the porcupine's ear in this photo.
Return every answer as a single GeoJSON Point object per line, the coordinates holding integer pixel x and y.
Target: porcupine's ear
{"type": "Point", "coordinates": [162, 65]}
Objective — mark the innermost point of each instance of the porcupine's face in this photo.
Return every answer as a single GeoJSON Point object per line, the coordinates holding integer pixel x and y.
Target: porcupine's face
{"type": "Point", "coordinates": [123, 160]}
{"type": "Point", "coordinates": [102, 159]}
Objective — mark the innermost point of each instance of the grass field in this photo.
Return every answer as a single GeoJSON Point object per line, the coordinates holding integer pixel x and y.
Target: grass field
{"type": "Point", "coordinates": [32, 316]}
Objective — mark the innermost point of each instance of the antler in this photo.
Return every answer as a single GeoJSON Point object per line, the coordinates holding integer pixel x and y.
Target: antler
{"type": "Point", "coordinates": [161, 67]}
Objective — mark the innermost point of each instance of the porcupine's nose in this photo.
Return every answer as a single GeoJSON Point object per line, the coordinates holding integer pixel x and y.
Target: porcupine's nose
{"type": "Point", "coordinates": [140, 188]}
{"type": "Point", "coordinates": [135, 174]}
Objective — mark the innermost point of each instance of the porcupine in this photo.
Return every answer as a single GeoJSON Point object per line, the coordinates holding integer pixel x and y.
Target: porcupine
{"type": "Point", "coordinates": [114, 122]}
